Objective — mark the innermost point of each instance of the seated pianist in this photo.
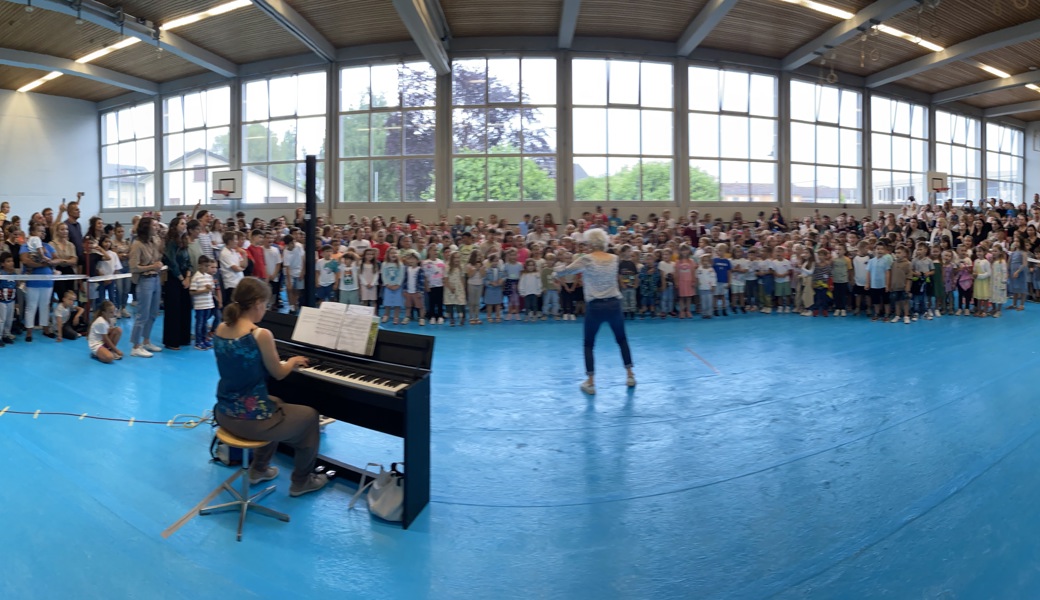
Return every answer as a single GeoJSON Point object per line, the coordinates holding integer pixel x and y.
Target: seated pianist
{"type": "Point", "coordinates": [246, 356]}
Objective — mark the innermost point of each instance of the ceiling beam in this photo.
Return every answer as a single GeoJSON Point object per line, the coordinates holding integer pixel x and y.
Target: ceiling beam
{"type": "Point", "coordinates": [874, 14]}
{"type": "Point", "coordinates": [294, 23]}
{"type": "Point", "coordinates": [698, 29]}
{"type": "Point", "coordinates": [142, 29]}
{"type": "Point", "coordinates": [568, 22]}
{"type": "Point", "coordinates": [424, 21]}
{"type": "Point", "coordinates": [1017, 34]}
{"type": "Point", "coordinates": [46, 62]}
{"type": "Point", "coordinates": [1011, 109]}
{"type": "Point", "coordinates": [985, 87]}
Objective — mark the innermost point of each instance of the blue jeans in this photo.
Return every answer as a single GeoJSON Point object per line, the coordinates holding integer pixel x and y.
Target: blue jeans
{"type": "Point", "coordinates": [149, 292]}
{"type": "Point", "coordinates": [668, 299]}
{"type": "Point", "coordinates": [201, 321]}
{"type": "Point", "coordinates": [920, 304]}
{"type": "Point", "coordinates": [596, 313]}
{"type": "Point", "coordinates": [551, 303]}
{"type": "Point", "coordinates": [629, 297]}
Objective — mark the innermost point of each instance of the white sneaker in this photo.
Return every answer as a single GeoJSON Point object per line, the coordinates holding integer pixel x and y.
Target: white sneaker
{"type": "Point", "coordinates": [938, 314]}
{"type": "Point", "coordinates": [806, 313]}
{"type": "Point", "coordinates": [140, 352]}
{"type": "Point", "coordinates": [152, 348]}
{"type": "Point", "coordinates": [844, 313]}
{"type": "Point", "coordinates": [894, 320]}
{"type": "Point", "coordinates": [913, 318]}
{"type": "Point", "coordinates": [928, 317]}
{"type": "Point", "coordinates": [906, 320]}
{"type": "Point", "coordinates": [588, 388]}
{"type": "Point", "coordinates": [405, 321]}
{"type": "Point", "coordinates": [422, 322]}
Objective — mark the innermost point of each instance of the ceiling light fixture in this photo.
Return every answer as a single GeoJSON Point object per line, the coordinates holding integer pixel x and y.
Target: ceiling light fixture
{"type": "Point", "coordinates": [195, 18]}
{"type": "Point", "coordinates": [822, 8]}
{"type": "Point", "coordinates": [126, 42]}
{"type": "Point", "coordinates": [42, 80]}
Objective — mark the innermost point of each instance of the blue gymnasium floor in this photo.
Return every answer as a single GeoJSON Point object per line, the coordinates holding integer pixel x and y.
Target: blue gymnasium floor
{"type": "Point", "coordinates": [827, 458]}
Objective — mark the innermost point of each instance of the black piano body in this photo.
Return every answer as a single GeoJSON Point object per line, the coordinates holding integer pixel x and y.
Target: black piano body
{"type": "Point", "coordinates": [400, 360]}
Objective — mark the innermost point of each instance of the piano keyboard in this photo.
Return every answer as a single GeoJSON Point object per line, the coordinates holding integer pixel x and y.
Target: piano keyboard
{"type": "Point", "coordinates": [343, 376]}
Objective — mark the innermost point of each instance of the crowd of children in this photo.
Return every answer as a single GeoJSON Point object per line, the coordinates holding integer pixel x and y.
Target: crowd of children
{"type": "Point", "coordinates": [922, 262]}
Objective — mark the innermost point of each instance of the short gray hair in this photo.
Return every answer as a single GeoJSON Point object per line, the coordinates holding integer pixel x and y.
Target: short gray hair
{"type": "Point", "coordinates": [596, 239]}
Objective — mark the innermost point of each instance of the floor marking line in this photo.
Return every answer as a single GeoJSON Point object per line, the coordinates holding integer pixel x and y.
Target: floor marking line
{"type": "Point", "coordinates": [194, 512]}
{"type": "Point", "coordinates": [710, 366]}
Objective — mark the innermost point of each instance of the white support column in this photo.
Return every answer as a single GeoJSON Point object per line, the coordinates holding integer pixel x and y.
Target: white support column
{"type": "Point", "coordinates": [866, 153]}
{"type": "Point", "coordinates": [332, 180]}
{"type": "Point", "coordinates": [932, 157]}
{"type": "Point", "coordinates": [564, 139]}
{"type": "Point", "coordinates": [783, 143]}
{"type": "Point", "coordinates": [442, 163]}
{"type": "Point", "coordinates": [160, 163]}
{"type": "Point", "coordinates": [681, 136]}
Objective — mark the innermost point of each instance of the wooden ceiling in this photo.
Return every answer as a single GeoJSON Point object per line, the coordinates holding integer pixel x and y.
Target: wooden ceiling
{"type": "Point", "coordinates": [769, 28]}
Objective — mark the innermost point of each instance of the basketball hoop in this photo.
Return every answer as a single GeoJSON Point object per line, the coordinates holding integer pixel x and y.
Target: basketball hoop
{"type": "Point", "coordinates": [941, 190]}
{"type": "Point", "coordinates": [220, 194]}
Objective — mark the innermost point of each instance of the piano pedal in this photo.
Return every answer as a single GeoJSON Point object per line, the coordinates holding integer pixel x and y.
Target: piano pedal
{"type": "Point", "coordinates": [324, 421]}
{"type": "Point", "coordinates": [328, 474]}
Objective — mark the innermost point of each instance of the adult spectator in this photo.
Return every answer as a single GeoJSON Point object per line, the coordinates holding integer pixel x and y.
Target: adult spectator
{"type": "Point", "coordinates": [38, 293]}
{"type": "Point", "coordinates": [145, 265]}
{"type": "Point", "coordinates": [178, 305]}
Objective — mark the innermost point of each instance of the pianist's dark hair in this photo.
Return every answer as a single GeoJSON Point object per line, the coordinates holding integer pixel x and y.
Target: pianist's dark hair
{"type": "Point", "coordinates": [248, 293]}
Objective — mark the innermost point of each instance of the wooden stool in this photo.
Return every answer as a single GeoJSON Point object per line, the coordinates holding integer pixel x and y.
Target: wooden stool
{"type": "Point", "coordinates": [243, 502]}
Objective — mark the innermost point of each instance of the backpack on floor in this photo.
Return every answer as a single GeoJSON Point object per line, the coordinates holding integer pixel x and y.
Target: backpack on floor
{"type": "Point", "coordinates": [224, 454]}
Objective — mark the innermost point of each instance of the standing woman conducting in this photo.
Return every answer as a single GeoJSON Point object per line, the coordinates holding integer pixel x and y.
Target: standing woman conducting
{"type": "Point", "coordinates": [145, 264]}
{"type": "Point", "coordinates": [599, 272]}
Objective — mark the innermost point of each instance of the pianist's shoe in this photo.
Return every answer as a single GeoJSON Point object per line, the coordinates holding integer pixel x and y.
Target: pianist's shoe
{"type": "Point", "coordinates": [314, 483]}
{"type": "Point", "coordinates": [255, 478]}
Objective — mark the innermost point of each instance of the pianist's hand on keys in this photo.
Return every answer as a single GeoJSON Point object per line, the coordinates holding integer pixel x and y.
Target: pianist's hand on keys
{"type": "Point", "coordinates": [298, 362]}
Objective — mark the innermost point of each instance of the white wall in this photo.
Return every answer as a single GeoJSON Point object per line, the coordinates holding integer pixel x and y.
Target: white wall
{"type": "Point", "coordinates": [48, 151]}
{"type": "Point", "coordinates": [1032, 160]}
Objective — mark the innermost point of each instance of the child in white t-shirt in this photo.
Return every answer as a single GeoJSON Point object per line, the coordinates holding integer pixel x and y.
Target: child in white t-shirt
{"type": "Point", "coordinates": [707, 279]}
{"type": "Point", "coordinates": [292, 263]}
{"type": "Point", "coordinates": [327, 269]}
{"type": "Point", "coordinates": [781, 268]}
{"type": "Point", "coordinates": [202, 300]}
{"type": "Point", "coordinates": [349, 289]}
{"type": "Point", "coordinates": [738, 278]}
{"type": "Point", "coordinates": [104, 334]}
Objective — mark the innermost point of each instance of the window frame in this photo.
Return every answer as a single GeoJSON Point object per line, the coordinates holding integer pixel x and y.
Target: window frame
{"type": "Point", "coordinates": [453, 108]}
{"type": "Point", "coordinates": [917, 186]}
{"type": "Point", "coordinates": [296, 117]}
{"type": "Point", "coordinates": [837, 166]}
{"type": "Point", "coordinates": [342, 159]}
{"type": "Point", "coordinates": [1001, 156]}
{"type": "Point", "coordinates": [750, 116]}
{"type": "Point", "coordinates": [104, 144]}
{"type": "Point", "coordinates": [191, 174]}
{"type": "Point", "coordinates": [952, 146]}
{"type": "Point", "coordinates": [642, 107]}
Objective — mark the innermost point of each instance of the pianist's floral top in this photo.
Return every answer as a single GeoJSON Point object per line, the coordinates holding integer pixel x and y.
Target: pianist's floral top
{"type": "Point", "coordinates": [242, 391]}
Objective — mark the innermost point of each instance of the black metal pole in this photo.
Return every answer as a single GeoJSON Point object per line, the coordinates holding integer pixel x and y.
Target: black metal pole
{"type": "Point", "coordinates": [310, 252]}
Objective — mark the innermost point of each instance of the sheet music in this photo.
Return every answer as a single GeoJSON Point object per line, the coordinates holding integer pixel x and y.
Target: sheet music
{"type": "Point", "coordinates": [336, 326]}
{"type": "Point", "coordinates": [358, 330]}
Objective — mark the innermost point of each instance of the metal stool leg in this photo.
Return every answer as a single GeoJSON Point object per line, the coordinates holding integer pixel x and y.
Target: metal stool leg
{"type": "Point", "coordinates": [243, 502]}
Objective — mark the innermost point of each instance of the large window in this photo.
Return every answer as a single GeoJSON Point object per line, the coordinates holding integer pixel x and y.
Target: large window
{"type": "Point", "coordinates": [128, 157]}
{"type": "Point", "coordinates": [387, 133]}
{"type": "Point", "coordinates": [826, 146]}
{"type": "Point", "coordinates": [732, 136]}
{"type": "Point", "coordinates": [899, 145]}
{"type": "Point", "coordinates": [284, 121]}
{"type": "Point", "coordinates": [958, 154]}
{"type": "Point", "coordinates": [1004, 162]}
{"type": "Point", "coordinates": [196, 142]}
{"type": "Point", "coordinates": [623, 130]}
{"type": "Point", "coordinates": [504, 129]}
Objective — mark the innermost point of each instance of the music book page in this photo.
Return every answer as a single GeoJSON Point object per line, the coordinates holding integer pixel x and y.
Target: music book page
{"type": "Point", "coordinates": [358, 330]}
{"type": "Point", "coordinates": [338, 326]}
{"type": "Point", "coordinates": [306, 326]}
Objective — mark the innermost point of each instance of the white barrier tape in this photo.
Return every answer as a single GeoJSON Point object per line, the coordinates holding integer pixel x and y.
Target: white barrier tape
{"type": "Point", "coordinates": [98, 279]}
